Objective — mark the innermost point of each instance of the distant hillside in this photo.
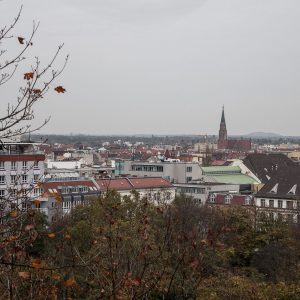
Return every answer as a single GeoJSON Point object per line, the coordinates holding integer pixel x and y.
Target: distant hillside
{"type": "Point", "coordinates": [263, 135]}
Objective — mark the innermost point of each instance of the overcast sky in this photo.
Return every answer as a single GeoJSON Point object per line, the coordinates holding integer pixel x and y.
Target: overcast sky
{"type": "Point", "coordinates": [167, 66]}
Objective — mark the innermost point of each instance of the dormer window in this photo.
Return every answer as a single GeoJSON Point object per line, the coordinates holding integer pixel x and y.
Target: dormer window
{"type": "Point", "coordinates": [274, 189]}
{"type": "Point", "coordinates": [293, 190]}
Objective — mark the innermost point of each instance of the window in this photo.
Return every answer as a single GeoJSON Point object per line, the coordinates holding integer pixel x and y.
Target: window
{"type": "Point", "coordinates": [13, 179]}
{"type": "Point", "coordinates": [290, 218]}
{"type": "Point", "coordinates": [2, 192]}
{"type": "Point", "coordinates": [189, 169]}
{"type": "Point", "coordinates": [262, 202]}
{"type": "Point", "coordinates": [227, 199]}
{"type": "Point", "coordinates": [188, 179]}
{"type": "Point", "coordinates": [24, 164]}
{"type": "Point", "coordinates": [279, 203]}
{"type": "Point", "coordinates": [212, 198]}
{"type": "Point", "coordinates": [1, 165]}
{"type": "Point", "coordinates": [36, 164]}
{"type": "Point", "coordinates": [271, 203]}
{"type": "Point", "coordinates": [2, 179]}
{"type": "Point", "coordinates": [36, 192]}
{"type": "Point", "coordinates": [24, 178]}
{"type": "Point", "coordinates": [289, 204]}
{"type": "Point", "coordinates": [35, 178]}
{"type": "Point", "coordinates": [247, 200]}
{"type": "Point", "coordinates": [13, 165]}
{"type": "Point", "coordinates": [13, 192]}
{"type": "Point", "coordinates": [160, 169]}
{"type": "Point", "coordinates": [24, 193]}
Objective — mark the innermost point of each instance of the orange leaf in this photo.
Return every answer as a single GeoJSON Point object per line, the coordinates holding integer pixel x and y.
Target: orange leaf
{"type": "Point", "coordinates": [67, 237]}
{"type": "Point", "coordinates": [51, 235]}
{"type": "Point", "coordinates": [21, 40]}
{"type": "Point", "coordinates": [14, 213]}
{"type": "Point", "coordinates": [56, 196]}
{"type": "Point", "coordinates": [59, 89]}
{"type": "Point", "coordinates": [70, 282]}
{"type": "Point", "coordinates": [28, 76]}
{"type": "Point", "coordinates": [24, 275]}
{"type": "Point", "coordinates": [36, 263]}
{"type": "Point", "coordinates": [36, 91]}
{"type": "Point", "coordinates": [55, 276]}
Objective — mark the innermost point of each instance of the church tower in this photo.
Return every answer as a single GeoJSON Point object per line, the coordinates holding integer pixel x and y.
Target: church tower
{"type": "Point", "coordinates": [223, 141]}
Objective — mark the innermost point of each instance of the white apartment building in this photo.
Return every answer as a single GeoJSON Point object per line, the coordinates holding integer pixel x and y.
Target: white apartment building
{"type": "Point", "coordinates": [175, 172]}
{"type": "Point", "coordinates": [21, 169]}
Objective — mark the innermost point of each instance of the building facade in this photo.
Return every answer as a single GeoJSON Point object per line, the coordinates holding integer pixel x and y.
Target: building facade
{"type": "Point", "coordinates": [21, 171]}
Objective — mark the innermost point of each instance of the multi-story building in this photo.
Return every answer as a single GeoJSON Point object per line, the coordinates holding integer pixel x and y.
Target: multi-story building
{"type": "Point", "coordinates": [280, 196]}
{"type": "Point", "coordinates": [173, 171]}
{"type": "Point", "coordinates": [200, 192]}
{"type": "Point", "coordinates": [21, 170]}
{"type": "Point", "coordinates": [61, 194]}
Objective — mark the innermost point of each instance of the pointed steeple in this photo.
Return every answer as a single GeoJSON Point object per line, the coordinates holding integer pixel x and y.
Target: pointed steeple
{"type": "Point", "coordinates": [222, 142]}
{"type": "Point", "coordinates": [223, 116]}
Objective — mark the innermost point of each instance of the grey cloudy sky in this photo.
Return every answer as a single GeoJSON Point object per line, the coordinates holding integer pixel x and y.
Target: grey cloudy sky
{"type": "Point", "coordinates": [168, 66]}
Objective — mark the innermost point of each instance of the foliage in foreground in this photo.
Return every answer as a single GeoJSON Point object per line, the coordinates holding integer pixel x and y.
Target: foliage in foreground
{"type": "Point", "coordinates": [131, 249]}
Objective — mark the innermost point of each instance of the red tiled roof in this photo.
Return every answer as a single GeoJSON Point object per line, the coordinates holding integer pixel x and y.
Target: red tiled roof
{"type": "Point", "coordinates": [114, 184]}
{"type": "Point", "coordinates": [133, 183]}
{"type": "Point", "coordinates": [149, 182]}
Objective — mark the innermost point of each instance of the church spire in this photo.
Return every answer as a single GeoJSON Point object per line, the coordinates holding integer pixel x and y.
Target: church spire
{"type": "Point", "coordinates": [223, 142]}
{"type": "Point", "coordinates": [223, 115]}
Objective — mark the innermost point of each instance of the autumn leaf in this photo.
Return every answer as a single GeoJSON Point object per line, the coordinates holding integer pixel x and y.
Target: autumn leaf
{"type": "Point", "coordinates": [12, 238]}
{"type": "Point", "coordinates": [36, 91]}
{"type": "Point", "coordinates": [21, 40]}
{"type": "Point", "coordinates": [24, 275]}
{"type": "Point", "coordinates": [70, 282]}
{"type": "Point", "coordinates": [59, 89]}
{"type": "Point", "coordinates": [67, 237]}
{"type": "Point", "coordinates": [14, 213]}
{"type": "Point", "coordinates": [51, 235]}
{"type": "Point", "coordinates": [56, 196]}
{"type": "Point", "coordinates": [28, 76]}
{"type": "Point", "coordinates": [36, 263]}
{"type": "Point", "coordinates": [55, 276]}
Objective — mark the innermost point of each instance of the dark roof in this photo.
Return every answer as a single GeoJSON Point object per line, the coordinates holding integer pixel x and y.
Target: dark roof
{"type": "Point", "coordinates": [284, 184]}
{"type": "Point", "coordinates": [265, 166]}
